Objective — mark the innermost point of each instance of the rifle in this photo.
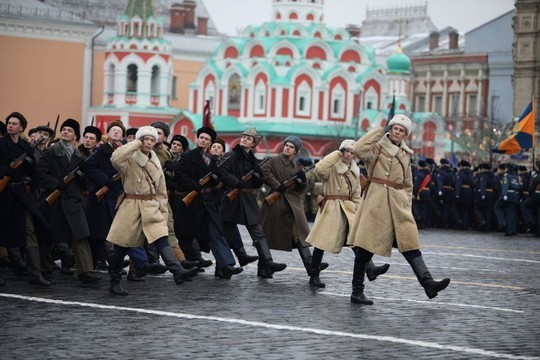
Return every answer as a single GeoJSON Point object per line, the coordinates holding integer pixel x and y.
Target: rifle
{"type": "Point", "coordinates": [188, 199]}
{"type": "Point", "coordinates": [51, 199]}
{"type": "Point", "coordinates": [232, 194]}
{"type": "Point", "coordinates": [105, 188]}
{"type": "Point", "coordinates": [15, 164]}
{"type": "Point", "coordinates": [272, 198]}
{"type": "Point", "coordinates": [55, 127]}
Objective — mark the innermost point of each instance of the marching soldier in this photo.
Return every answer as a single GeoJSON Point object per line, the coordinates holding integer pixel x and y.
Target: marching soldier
{"type": "Point", "coordinates": [385, 216]}
{"type": "Point", "coordinates": [463, 200]}
{"type": "Point", "coordinates": [65, 215]}
{"type": "Point", "coordinates": [484, 199]}
{"type": "Point", "coordinates": [244, 209]}
{"type": "Point", "coordinates": [531, 206]}
{"type": "Point", "coordinates": [507, 205]}
{"type": "Point", "coordinates": [445, 191]}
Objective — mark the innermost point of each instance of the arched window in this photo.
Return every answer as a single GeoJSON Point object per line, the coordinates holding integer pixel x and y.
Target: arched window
{"type": "Point", "coordinates": [365, 125]}
{"type": "Point", "coordinates": [132, 78]}
{"type": "Point", "coordinates": [110, 80]}
{"type": "Point", "coordinates": [234, 91]}
{"type": "Point", "coordinates": [303, 99]}
{"type": "Point", "coordinates": [154, 88]}
{"type": "Point", "coordinates": [338, 102]}
{"type": "Point", "coordinates": [260, 98]}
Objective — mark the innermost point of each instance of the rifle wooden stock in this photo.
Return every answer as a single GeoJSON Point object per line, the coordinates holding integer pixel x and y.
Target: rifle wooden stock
{"type": "Point", "coordinates": [14, 165]}
{"type": "Point", "coordinates": [188, 199]}
{"type": "Point", "coordinates": [100, 194]}
{"type": "Point", "coordinates": [272, 198]}
{"type": "Point", "coordinates": [3, 182]}
{"type": "Point", "coordinates": [232, 194]}
{"type": "Point", "coordinates": [51, 199]}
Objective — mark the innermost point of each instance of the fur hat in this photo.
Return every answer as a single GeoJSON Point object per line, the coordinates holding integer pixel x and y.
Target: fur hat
{"type": "Point", "coordinates": [74, 124]}
{"type": "Point", "coordinates": [119, 124]}
{"type": "Point", "coordinates": [402, 120]}
{"type": "Point", "coordinates": [93, 130]}
{"type": "Point", "coordinates": [295, 141]}
{"type": "Point", "coordinates": [19, 116]}
{"type": "Point", "coordinates": [182, 140]}
{"type": "Point", "coordinates": [347, 144]}
{"type": "Point", "coordinates": [422, 163]}
{"type": "Point", "coordinates": [444, 161]}
{"type": "Point", "coordinates": [161, 125]}
{"type": "Point", "coordinates": [45, 128]}
{"type": "Point", "coordinates": [131, 131]}
{"type": "Point", "coordinates": [253, 133]}
{"type": "Point", "coordinates": [146, 131]}
{"type": "Point", "coordinates": [207, 130]}
{"type": "Point", "coordinates": [464, 163]}
{"type": "Point", "coordinates": [220, 141]}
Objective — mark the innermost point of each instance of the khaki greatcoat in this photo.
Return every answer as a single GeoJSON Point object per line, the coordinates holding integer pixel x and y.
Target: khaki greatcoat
{"type": "Point", "coordinates": [332, 224]}
{"type": "Point", "coordinates": [286, 217]}
{"type": "Point", "coordinates": [137, 219]}
{"type": "Point", "coordinates": [385, 214]}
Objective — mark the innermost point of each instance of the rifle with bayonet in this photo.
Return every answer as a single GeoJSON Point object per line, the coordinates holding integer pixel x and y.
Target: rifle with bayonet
{"type": "Point", "coordinates": [15, 164]}
{"type": "Point", "coordinates": [289, 183]}
{"type": "Point", "coordinates": [188, 199]}
{"type": "Point", "coordinates": [233, 193]}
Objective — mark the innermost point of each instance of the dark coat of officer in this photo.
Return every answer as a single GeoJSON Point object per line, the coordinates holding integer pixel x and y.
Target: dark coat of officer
{"type": "Point", "coordinates": [193, 221]}
{"type": "Point", "coordinates": [244, 209]}
{"type": "Point", "coordinates": [15, 201]}
{"type": "Point", "coordinates": [66, 213]}
{"type": "Point", "coordinates": [464, 186]}
{"type": "Point", "coordinates": [100, 171]}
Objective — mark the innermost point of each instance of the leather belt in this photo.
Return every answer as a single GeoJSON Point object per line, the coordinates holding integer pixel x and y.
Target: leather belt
{"type": "Point", "coordinates": [489, 190]}
{"type": "Point", "coordinates": [448, 187]}
{"type": "Point", "coordinates": [390, 183]}
{"type": "Point", "coordinates": [140, 197]}
{"type": "Point", "coordinates": [336, 197]}
{"type": "Point", "coordinates": [465, 186]}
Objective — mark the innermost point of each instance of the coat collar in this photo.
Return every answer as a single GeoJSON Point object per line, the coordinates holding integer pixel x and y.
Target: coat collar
{"type": "Point", "coordinates": [142, 159]}
{"type": "Point", "coordinates": [242, 154]}
{"type": "Point", "coordinates": [285, 160]}
{"type": "Point", "coordinates": [342, 168]}
{"type": "Point", "coordinates": [391, 149]}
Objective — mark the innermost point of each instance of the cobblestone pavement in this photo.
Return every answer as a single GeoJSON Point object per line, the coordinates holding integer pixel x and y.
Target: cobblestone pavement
{"type": "Point", "coordinates": [490, 310]}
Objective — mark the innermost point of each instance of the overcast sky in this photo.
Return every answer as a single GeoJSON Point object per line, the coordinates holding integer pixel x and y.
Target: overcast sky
{"type": "Point", "coordinates": [464, 15]}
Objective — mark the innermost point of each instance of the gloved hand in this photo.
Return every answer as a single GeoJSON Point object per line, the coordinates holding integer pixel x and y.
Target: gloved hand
{"type": "Point", "coordinates": [256, 175]}
{"type": "Point", "coordinates": [301, 176]}
{"type": "Point", "coordinates": [198, 187]}
{"type": "Point", "coordinates": [282, 188]}
{"type": "Point", "coordinates": [241, 184]}
{"type": "Point", "coordinates": [440, 193]}
{"type": "Point", "coordinates": [61, 186]}
{"type": "Point", "coordinates": [483, 197]}
{"type": "Point", "coordinates": [505, 198]}
{"type": "Point", "coordinates": [110, 183]}
{"type": "Point", "coordinates": [457, 196]}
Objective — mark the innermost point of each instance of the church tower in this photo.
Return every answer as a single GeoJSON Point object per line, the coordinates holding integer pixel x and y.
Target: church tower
{"type": "Point", "coordinates": [306, 12]}
{"type": "Point", "coordinates": [137, 69]}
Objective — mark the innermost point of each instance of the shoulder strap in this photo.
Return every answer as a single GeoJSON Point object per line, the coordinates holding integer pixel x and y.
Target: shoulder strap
{"type": "Point", "coordinates": [150, 180]}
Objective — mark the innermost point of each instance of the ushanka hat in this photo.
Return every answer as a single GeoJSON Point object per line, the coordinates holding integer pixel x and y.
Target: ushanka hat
{"type": "Point", "coordinates": [146, 131]}
{"type": "Point", "coordinates": [117, 123]}
{"type": "Point", "coordinates": [207, 130]}
{"type": "Point", "coordinates": [18, 115]}
{"type": "Point", "coordinates": [93, 130]}
{"type": "Point", "coordinates": [74, 124]}
{"type": "Point", "coordinates": [346, 144]}
{"type": "Point", "coordinates": [182, 140]}
{"type": "Point", "coordinates": [402, 120]}
{"type": "Point", "coordinates": [295, 141]}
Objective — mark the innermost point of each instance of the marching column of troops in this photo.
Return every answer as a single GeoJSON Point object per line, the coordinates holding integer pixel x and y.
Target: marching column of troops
{"type": "Point", "coordinates": [82, 208]}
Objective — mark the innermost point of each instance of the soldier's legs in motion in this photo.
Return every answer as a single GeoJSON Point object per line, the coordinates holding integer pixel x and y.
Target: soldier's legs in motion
{"type": "Point", "coordinates": [19, 267]}
{"type": "Point", "coordinates": [32, 255]}
{"type": "Point", "coordinates": [305, 255]}
{"type": "Point", "coordinates": [83, 259]}
{"type": "Point", "coordinates": [222, 252]}
{"type": "Point", "coordinates": [361, 258]}
{"type": "Point", "coordinates": [511, 218]}
{"type": "Point", "coordinates": [431, 287]}
{"type": "Point", "coordinates": [266, 264]}
{"type": "Point", "coordinates": [237, 246]}
{"type": "Point", "coordinates": [315, 268]}
{"type": "Point", "coordinates": [115, 270]}
{"type": "Point", "coordinates": [372, 271]}
{"type": "Point", "coordinates": [173, 265]}
{"type": "Point", "coordinates": [499, 213]}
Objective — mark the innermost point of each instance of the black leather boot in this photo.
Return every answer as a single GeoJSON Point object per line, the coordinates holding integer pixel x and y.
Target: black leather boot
{"type": "Point", "coordinates": [358, 296]}
{"type": "Point", "coordinates": [197, 256]}
{"type": "Point", "coordinates": [17, 263]}
{"type": "Point", "coordinates": [34, 268]}
{"type": "Point", "coordinates": [315, 269]}
{"type": "Point", "coordinates": [173, 265]}
{"type": "Point", "coordinates": [373, 271]}
{"type": "Point", "coordinates": [115, 271]}
{"type": "Point", "coordinates": [228, 271]}
{"type": "Point", "coordinates": [266, 267]}
{"type": "Point", "coordinates": [243, 257]}
{"type": "Point", "coordinates": [431, 287]}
